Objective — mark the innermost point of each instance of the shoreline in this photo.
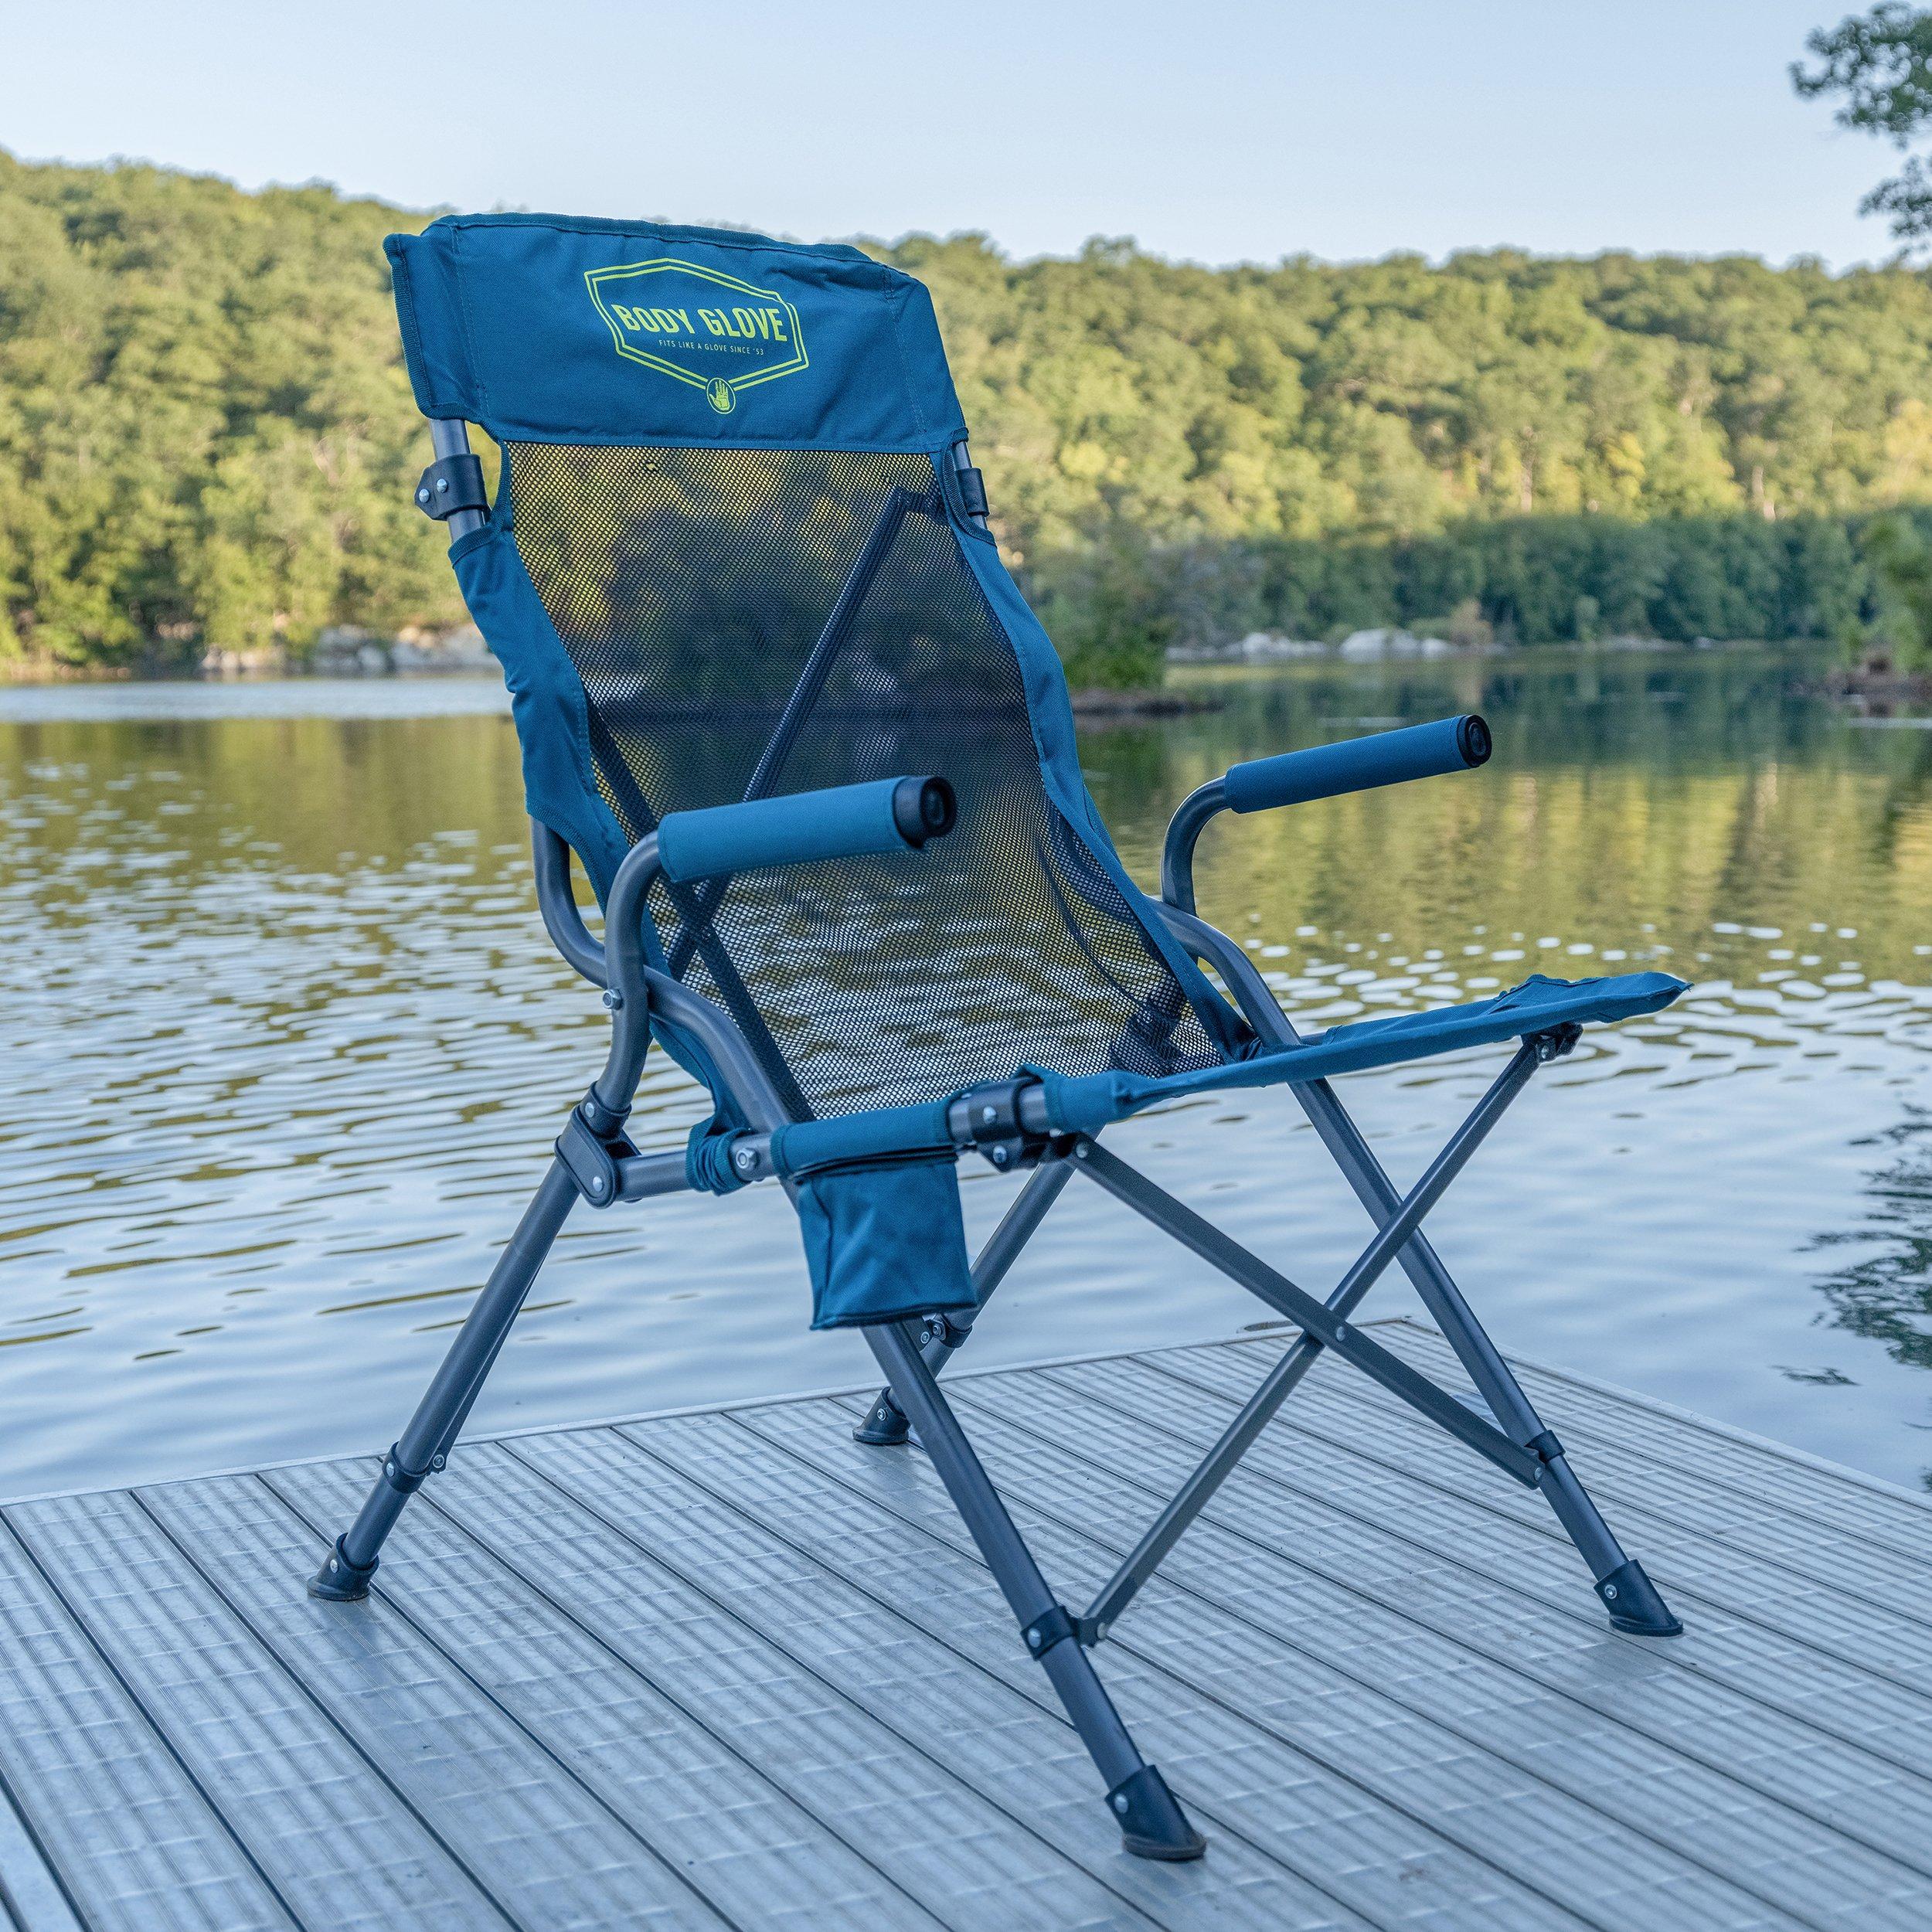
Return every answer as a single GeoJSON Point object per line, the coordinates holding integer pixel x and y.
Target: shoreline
{"type": "Point", "coordinates": [463, 653]}
{"type": "Point", "coordinates": [1867, 688]}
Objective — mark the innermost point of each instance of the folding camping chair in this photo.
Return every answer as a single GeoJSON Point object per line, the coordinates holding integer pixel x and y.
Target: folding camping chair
{"type": "Point", "coordinates": [738, 574]}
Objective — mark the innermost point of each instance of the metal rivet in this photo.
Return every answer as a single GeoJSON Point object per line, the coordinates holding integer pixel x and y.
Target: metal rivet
{"type": "Point", "coordinates": [422, 496]}
{"type": "Point", "coordinates": [989, 1114]}
{"type": "Point", "coordinates": [999, 1157]}
{"type": "Point", "coordinates": [1120, 1804]}
{"type": "Point", "coordinates": [596, 1183]}
{"type": "Point", "coordinates": [442, 484]}
{"type": "Point", "coordinates": [331, 1562]}
{"type": "Point", "coordinates": [439, 1462]}
{"type": "Point", "coordinates": [1079, 1152]}
{"type": "Point", "coordinates": [1609, 1592]}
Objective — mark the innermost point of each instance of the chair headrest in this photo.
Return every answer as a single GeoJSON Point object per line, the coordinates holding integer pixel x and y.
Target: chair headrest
{"type": "Point", "coordinates": [543, 328]}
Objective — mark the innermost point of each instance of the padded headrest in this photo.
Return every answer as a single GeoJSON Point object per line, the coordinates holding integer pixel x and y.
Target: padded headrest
{"type": "Point", "coordinates": [542, 328]}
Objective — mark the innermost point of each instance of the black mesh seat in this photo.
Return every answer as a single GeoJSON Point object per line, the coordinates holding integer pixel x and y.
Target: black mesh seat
{"type": "Point", "coordinates": [689, 588]}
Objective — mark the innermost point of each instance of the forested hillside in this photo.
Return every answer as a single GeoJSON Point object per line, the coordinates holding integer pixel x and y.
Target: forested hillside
{"type": "Point", "coordinates": [206, 437]}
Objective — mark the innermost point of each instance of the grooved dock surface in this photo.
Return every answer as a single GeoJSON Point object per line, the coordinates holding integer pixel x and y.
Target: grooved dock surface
{"type": "Point", "coordinates": [732, 1670]}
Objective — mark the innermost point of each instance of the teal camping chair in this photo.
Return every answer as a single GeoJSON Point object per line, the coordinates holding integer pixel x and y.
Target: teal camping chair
{"type": "Point", "coordinates": [777, 693]}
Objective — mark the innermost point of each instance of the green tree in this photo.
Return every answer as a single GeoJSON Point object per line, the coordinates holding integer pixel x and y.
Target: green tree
{"type": "Point", "coordinates": [1881, 62]}
{"type": "Point", "coordinates": [1899, 551]}
{"type": "Point", "coordinates": [207, 438]}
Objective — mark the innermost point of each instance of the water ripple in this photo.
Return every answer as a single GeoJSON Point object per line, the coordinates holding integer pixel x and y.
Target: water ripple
{"type": "Point", "coordinates": [287, 1048]}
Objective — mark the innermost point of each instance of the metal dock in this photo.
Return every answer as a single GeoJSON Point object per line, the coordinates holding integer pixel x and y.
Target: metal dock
{"type": "Point", "coordinates": [730, 1669]}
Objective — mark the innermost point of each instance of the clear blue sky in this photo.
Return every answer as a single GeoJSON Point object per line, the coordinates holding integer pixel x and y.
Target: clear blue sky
{"type": "Point", "coordinates": [1208, 129]}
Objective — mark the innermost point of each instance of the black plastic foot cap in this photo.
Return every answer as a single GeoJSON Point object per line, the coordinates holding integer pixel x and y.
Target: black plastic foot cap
{"type": "Point", "coordinates": [883, 1426]}
{"type": "Point", "coordinates": [1633, 1604]}
{"type": "Point", "coordinates": [340, 1581]}
{"type": "Point", "coordinates": [1152, 1824]}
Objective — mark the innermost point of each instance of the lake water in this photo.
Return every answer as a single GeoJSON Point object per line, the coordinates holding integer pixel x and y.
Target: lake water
{"type": "Point", "coordinates": [286, 1047]}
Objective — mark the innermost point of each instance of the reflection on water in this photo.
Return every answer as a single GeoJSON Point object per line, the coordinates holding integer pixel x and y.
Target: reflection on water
{"type": "Point", "coordinates": [285, 1047]}
{"type": "Point", "coordinates": [1886, 1295]}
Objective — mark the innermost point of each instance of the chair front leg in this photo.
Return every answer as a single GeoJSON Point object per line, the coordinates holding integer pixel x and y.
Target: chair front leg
{"type": "Point", "coordinates": [1632, 1601]}
{"type": "Point", "coordinates": [425, 1444]}
{"type": "Point", "coordinates": [1151, 1823]}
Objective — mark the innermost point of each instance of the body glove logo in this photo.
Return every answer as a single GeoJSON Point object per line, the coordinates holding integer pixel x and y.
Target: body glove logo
{"type": "Point", "coordinates": [699, 326]}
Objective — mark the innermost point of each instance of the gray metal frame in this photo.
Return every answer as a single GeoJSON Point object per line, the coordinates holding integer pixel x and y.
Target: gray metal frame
{"type": "Point", "coordinates": [595, 1162]}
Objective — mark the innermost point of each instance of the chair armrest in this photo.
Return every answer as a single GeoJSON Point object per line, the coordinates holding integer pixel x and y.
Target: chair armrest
{"type": "Point", "coordinates": [1323, 771]}
{"type": "Point", "coordinates": [1358, 764]}
{"type": "Point", "coordinates": [843, 822]}
{"type": "Point", "coordinates": [711, 843]}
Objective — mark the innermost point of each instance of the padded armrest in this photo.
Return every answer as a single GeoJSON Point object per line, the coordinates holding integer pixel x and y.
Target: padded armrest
{"type": "Point", "coordinates": [887, 815]}
{"type": "Point", "coordinates": [1357, 764]}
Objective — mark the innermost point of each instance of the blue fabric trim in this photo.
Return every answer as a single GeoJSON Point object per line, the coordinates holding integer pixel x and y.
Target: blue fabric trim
{"type": "Point", "coordinates": [1088, 1103]}
{"type": "Point", "coordinates": [792, 830]}
{"type": "Point", "coordinates": [1051, 711]}
{"type": "Point", "coordinates": [546, 329]}
{"type": "Point", "coordinates": [546, 700]}
{"type": "Point", "coordinates": [804, 1146]}
{"type": "Point", "coordinates": [707, 1158]}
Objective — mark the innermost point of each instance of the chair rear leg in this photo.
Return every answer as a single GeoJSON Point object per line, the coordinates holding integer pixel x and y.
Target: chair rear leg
{"type": "Point", "coordinates": [1149, 1817]}
{"type": "Point", "coordinates": [1632, 1599]}
{"type": "Point", "coordinates": [425, 1444]}
{"type": "Point", "coordinates": [884, 1423]}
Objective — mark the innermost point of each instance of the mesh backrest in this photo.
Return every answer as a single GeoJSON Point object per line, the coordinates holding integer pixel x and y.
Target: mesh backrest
{"type": "Point", "coordinates": [690, 587]}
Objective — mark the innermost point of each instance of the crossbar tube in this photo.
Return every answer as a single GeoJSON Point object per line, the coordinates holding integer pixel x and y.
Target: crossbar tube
{"type": "Point", "coordinates": [1155, 1204]}
{"type": "Point", "coordinates": [1219, 1463]}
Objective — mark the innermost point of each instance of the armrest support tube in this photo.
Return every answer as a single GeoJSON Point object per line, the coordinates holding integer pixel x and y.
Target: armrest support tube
{"type": "Point", "coordinates": [1322, 771]}
{"type": "Point", "coordinates": [1183, 833]}
{"type": "Point", "coordinates": [556, 901]}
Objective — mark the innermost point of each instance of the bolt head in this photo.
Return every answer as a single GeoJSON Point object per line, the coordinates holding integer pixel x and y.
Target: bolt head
{"type": "Point", "coordinates": [999, 1157]}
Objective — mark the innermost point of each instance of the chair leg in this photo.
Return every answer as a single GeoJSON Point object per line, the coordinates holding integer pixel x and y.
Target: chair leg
{"type": "Point", "coordinates": [1151, 1823]}
{"type": "Point", "coordinates": [426, 1444]}
{"type": "Point", "coordinates": [1632, 1599]}
{"type": "Point", "coordinates": [884, 1423]}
